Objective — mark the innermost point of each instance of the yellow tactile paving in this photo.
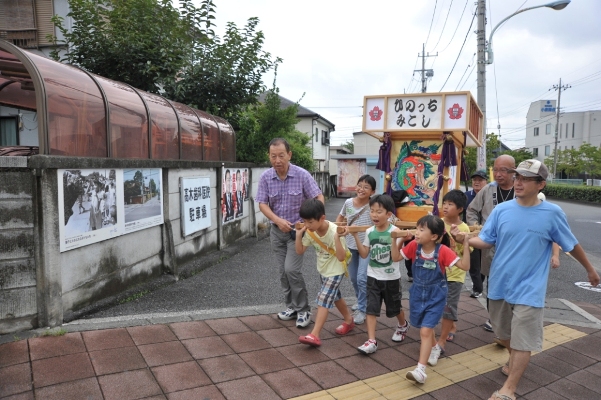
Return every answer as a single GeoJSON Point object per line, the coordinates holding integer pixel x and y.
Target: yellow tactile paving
{"type": "Point", "coordinates": [450, 370]}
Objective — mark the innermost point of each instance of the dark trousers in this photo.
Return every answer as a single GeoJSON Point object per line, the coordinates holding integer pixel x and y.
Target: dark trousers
{"type": "Point", "coordinates": [408, 263]}
{"type": "Point", "coordinates": [477, 277]}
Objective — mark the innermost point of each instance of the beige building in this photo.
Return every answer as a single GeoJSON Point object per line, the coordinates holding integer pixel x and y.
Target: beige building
{"type": "Point", "coordinates": [574, 129]}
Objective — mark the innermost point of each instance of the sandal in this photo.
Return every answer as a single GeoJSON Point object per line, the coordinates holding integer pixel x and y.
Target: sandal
{"type": "Point", "coordinates": [505, 369]}
{"type": "Point", "coordinates": [498, 396]}
{"type": "Point", "coordinates": [344, 328]}
{"type": "Point", "coordinates": [451, 336]}
{"type": "Point", "coordinates": [310, 339]}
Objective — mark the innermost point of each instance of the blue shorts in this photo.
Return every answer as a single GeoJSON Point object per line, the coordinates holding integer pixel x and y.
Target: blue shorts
{"type": "Point", "coordinates": [426, 303]}
{"type": "Point", "coordinates": [330, 291]}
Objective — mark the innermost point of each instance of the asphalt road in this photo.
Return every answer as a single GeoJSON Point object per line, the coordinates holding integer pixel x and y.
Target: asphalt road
{"type": "Point", "coordinates": [585, 223]}
{"type": "Point", "coordinates": [246, 275]}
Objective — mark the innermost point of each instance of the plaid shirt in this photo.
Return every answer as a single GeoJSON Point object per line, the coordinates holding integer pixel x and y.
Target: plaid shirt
{"type": "Point", "coordinates": [285, 197]}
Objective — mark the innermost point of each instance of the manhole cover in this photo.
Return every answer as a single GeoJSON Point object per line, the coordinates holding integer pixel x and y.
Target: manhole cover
{"type": "Point", "coordinates": [587, 286]}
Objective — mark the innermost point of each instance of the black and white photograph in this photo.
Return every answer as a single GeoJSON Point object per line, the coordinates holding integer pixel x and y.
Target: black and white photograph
{"type": "Point", "coordinates": [88, 206]}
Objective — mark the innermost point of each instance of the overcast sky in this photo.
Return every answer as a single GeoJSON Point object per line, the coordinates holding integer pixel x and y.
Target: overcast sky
{"type": "Point", "coordinates": [336, 52]}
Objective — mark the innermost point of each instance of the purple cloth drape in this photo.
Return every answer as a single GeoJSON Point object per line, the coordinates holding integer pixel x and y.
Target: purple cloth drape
{"type": "Point", "coordinates": [384, 159]}
{"type": "Point", "coordinates": [464, 174]}
{"type": "Point", "coordinates": [447, 159]}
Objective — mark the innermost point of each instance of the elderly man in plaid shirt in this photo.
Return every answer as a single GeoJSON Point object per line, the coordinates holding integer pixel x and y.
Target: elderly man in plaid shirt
{"type": "Point", "coordinates": [282, 190]}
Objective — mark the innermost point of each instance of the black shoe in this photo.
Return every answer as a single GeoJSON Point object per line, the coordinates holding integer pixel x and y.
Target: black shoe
{"type": "Point", "coordinates": [475, 295]}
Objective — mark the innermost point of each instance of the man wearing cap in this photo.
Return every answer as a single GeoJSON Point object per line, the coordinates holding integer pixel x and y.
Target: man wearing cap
{"type": "Point", "coordinates": [479, 179]}
{"type": "Point", "coordinates": [523, 232]}
{"type": "Point", "coordinates": [486, 200]}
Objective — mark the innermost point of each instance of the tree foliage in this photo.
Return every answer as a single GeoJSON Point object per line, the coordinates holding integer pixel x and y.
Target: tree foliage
{"type": "Point", "coordinates": [350, 145]}
{"type": "Point", "coordinates": [158, 48]}
{"type": "Point", "coordinates": [574, 162]}
{"type": "Point", "coordinates": [261, 123]}
{"type": "Point", "coordinates": [493, 150]}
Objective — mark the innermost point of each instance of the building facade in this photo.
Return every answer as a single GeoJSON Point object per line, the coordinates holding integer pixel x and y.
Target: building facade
{"type": "Point", "coordinates": [574, 129]}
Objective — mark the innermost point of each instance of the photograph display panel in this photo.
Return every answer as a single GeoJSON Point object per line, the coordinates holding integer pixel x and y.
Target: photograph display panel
{"type": "Point", "coordinates": [103, 203]}
{"type": "Point", "coordinates": [235, 189]}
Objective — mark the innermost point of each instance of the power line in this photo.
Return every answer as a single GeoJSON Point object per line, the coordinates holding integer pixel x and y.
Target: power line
{"type": "Point", "coordinates": [457, 27]}
{"type": "Point", "coordinates": [444, 25]}
{"type": "Point", "coordinates": [432, 21]}
{"type": "Point", "coordinates": [460, 50]}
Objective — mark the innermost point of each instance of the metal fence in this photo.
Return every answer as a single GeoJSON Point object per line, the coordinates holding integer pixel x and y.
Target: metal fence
{"type": "Point", "coordinates": [593, 182]}
{"type": "Point", "coordinates": [576, 182]}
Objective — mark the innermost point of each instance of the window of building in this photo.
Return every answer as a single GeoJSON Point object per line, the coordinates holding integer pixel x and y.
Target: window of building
{"type": "Point", "coordinates": [535, 151]}
{"type": "Point", "coordinates": [572, 147]}
{"type": "Point", "coordinates": [9, 132]}
{"type": "Point", "coordinates": [316, 134]}
{"type": "Point", "coordinates": [573, 128]}
{"type": "Point", "coordinates": [547, 150]}
{"type": "Point", "coordinates": [565, 147]}
{"type": "Point", "coordinates": [567, 129]}
{"type": "Point", "coordinates": [536, 131]}
{"type": "Point", "coordinates": [548, 129]}
{"type": "Point", "coordinates": [325, 137]}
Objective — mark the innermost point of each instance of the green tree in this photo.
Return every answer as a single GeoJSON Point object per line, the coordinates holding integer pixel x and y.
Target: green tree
{"type": "Point", "coordinates": [153, 186]}
{"type": "Point", "coordinates": [261, 123]}
{"type": "Point", "coordinates": [573, 162]}
{"type": "Point", "coordinates": [158, 48]}
{"type": "Point", "coordinates": [350, 145]}
{"type": "Point", "coordinates": [140, 42]}
{"type": "Point", "coordinates": [520, 155]}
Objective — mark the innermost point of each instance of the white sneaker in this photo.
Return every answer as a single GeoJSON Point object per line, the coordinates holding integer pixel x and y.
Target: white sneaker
{"type": "Point", "coordinates": [417, 375]}
{"type": "Point", "coordinates": [400, 332]}
{"type": "Point", "coordinates": [355, 307]}
{"type": "Point", "coordinates": [368, 347]}
{"type": "Point", "coordinates": [303, 319]}
{"type": "Point", "coordinates": [359, 317]}
{"type": "Point", "coordinates": [434, 355]}
{"type": "Point", "coordinates": [287, 314]}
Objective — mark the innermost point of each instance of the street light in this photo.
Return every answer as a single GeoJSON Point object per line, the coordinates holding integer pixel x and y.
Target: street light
{"type": "Point", "coordinates": [486, 56]}
{"type": "Point", "coordinates": [556, 5]}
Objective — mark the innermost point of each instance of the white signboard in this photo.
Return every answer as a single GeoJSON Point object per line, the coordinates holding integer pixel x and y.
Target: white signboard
{"type": "Point", "coordinates": [414, 113]}
{"type": "Point", "coordinates": [195, 196]}
{"type": "Point", "coordinates": [99, 204]}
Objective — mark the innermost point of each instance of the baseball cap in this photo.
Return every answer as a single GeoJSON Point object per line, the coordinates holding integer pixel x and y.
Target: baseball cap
{"type": "Point", "coordinates": [532, 168]}
{"type": "Point", "coordinates": [481, 173]}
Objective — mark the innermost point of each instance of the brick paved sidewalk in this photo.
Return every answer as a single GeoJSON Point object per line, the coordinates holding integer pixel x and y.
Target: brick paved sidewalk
{"type": "Point", "coordinates": [259, 357]}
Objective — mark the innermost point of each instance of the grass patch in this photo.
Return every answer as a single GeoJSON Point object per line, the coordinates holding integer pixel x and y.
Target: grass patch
{"type": "Point", "coordinates": [133, 297]}
{"type": "Point", "coordinates": [54, 332]}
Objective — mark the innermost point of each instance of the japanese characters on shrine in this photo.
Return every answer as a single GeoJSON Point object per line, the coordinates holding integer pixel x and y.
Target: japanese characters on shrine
{"type": "Point", "coordinates": [455, 112]}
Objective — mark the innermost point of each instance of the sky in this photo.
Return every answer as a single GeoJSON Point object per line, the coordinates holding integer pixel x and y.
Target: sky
{"type": "Point", "coordinates": [335, 52]}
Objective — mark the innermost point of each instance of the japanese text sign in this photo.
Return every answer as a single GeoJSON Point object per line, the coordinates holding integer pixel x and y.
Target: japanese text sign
{"type": "Point", "coordinates": [195, 204]}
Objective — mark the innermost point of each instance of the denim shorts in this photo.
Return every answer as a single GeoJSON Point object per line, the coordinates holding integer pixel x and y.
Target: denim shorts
{"type": "Point", "coordinates": [426, 303]}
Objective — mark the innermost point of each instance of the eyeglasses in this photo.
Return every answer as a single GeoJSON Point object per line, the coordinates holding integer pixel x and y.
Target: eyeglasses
{"type": "Point", "coordinates": [503, 170]}
{"type": "Point", "coordinates": [366, 187]}
{"type": "Point", "coordinates": [521, 178]}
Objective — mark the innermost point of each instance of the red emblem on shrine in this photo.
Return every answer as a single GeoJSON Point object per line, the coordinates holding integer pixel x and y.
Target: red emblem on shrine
{"type": "Point", "coordinates": [455, 112]}
{"type": "Point", "coordinates": [375, 114]}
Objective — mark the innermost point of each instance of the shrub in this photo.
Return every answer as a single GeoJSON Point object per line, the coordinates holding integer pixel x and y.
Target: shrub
{"type": "Point", "coordinates": [570, 192]}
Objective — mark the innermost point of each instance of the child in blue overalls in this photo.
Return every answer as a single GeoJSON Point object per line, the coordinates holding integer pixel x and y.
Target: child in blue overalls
{"type": "Point", "coordinates": [428, 294]}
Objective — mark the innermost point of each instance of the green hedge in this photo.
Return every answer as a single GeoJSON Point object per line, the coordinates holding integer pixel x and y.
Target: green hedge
{"type": "Point", "coordinates": [569, 192]}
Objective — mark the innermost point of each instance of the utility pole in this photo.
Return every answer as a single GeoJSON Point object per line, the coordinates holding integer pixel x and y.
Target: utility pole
{"type": "Point", "coordinates": [481, 40]}
{"type": "Point", "coordinates": [426, 73]}
{"type": "Point", "coordinates": [559, 88]}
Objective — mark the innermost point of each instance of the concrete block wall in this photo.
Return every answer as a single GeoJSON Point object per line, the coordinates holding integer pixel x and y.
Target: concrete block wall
{"type": "Point", "coordinates": [18, 304]}
{"type": "Point", "coordinates": [40, 286]}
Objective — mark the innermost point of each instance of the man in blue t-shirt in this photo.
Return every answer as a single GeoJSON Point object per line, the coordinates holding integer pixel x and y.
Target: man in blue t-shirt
{"type": "Point", "coordinates": [523, 232]}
